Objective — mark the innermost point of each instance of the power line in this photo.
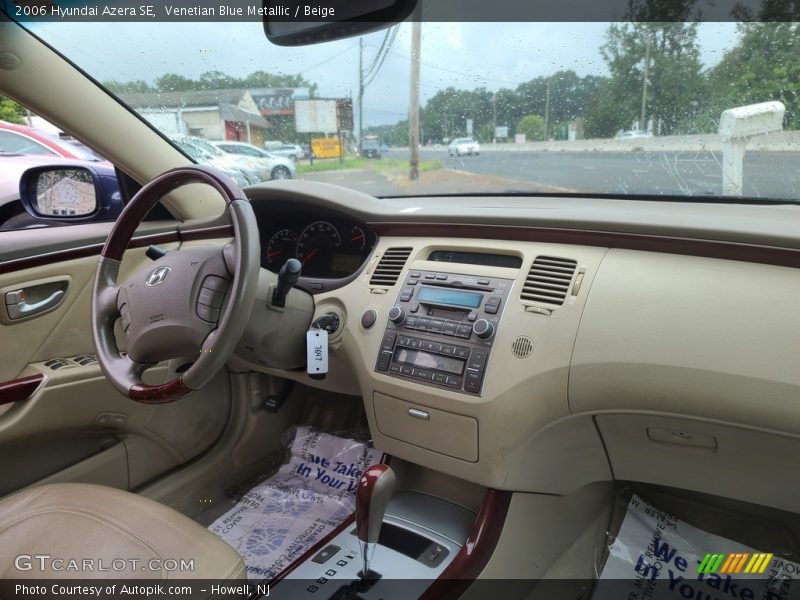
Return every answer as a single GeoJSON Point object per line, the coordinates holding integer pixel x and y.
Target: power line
{"type": "Point", "coordinates": [375, 58]}
{"type": "Point", "coordinates": [383, 58]}
{"type": "Point", "coordinates": [329, 59]}
{"type": "Point", "coordinates": [455, 72]}
{"type": "Point", "coordinates": [372, 71]}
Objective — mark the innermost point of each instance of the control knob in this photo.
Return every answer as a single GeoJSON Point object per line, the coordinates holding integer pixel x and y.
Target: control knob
{"type": "Point", "coordinates": [483, 329]}
{"type": "Point", "coordinates": [397, 315]}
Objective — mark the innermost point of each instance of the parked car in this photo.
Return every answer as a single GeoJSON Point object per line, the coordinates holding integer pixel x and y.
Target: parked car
{"type": "Point", "coordinates": [292, 151]}
{"type": "Point", "coordinates": [19, 139]}
{"type": "Point", "coordinates": [202, 151]}
{"type": "Point", "coordinates": [370, 149]}
{"type": "Point", "coordinates": [463, 147]}
{"type": "Point", "coordinates": [270, 166]}
{"type": "Point", "coordinates": [13, 213]}
{"type": "Point", "coordinates": [633, 134]}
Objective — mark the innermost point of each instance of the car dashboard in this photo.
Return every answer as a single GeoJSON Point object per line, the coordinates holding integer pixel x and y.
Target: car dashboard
{"type": "Point", "coordinates": [542, 344]}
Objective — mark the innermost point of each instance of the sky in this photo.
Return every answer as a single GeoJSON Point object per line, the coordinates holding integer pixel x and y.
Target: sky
{"type": "Point", "coordinates": [462, 55]}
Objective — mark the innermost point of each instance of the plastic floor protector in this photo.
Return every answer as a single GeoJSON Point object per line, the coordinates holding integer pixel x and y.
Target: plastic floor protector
{"type": "Point", "coordinates": [309, 496]}
{"type": "Point", "coordinates": [655, 556]}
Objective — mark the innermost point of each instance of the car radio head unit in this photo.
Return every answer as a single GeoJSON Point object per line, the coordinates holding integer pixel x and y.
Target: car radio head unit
{"type": "Point", "coordinates": [441, 329]}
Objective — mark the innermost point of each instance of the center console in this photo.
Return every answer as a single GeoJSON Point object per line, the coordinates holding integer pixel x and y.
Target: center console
{"type": "Point", "coordinates": [420, 537]}
{"type": "Point", "coordinates": [441, 329]}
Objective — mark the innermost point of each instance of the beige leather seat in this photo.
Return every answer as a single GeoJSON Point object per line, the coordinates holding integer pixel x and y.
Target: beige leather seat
{"type": "Point", "coordinates": [82, 522]}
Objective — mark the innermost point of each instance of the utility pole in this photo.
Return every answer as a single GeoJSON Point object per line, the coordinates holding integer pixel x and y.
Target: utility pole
{"type": "Point", "coordinates": [547, 108]}
{"type": "Point", "coordinates": [413, 104]}
{"type": "Point", "coordinates": [494, 118]}
{"type": "Point", "coordinates": [360, 90]}
{"type": "Point", "coordinates": [642, 123]}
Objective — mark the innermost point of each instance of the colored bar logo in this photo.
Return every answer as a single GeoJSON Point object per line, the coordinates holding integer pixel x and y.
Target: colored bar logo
{"type": "Point", "coordinates": [735, 563]}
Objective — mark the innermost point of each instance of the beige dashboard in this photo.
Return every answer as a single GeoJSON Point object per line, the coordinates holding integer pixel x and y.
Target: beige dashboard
{"type": "Point", "coordinates": [672, 369]}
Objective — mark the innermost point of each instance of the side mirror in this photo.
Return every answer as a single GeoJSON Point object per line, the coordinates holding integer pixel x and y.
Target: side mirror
{"type": "Point", "coordinates": [68, 193]}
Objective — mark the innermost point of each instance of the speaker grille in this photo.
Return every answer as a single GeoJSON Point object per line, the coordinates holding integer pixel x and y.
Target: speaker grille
{"type": "Point", "coordinates": [522, 346]}
{"type": "Point", "coordinates": [8, 61]}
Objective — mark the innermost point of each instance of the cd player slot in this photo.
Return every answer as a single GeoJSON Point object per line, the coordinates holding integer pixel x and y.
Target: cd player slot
{"type": "Point", "coordinates": [458, 285]}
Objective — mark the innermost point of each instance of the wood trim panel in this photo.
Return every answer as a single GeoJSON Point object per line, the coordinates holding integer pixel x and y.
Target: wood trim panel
{"type": "Point", "coordinates": [784, 257]}
{"type": "Point", "coordinates": [134, 212]}
{"type": "Point", "coordinates": [207, 233]}
{"type": "Point", "coordinates": [159, 394]}
{"type": "Point", "coordinates": [20, 389]}
{"type": "Point", "coordinates": [476, 551]}
{"type": "Point", "coordinates": [364, 491]}
{"type": "Point", "coordinates": [30, 262]}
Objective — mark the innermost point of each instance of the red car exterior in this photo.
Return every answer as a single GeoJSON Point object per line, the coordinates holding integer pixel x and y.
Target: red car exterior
{"type": "Point", "coordinates": [18, 139]}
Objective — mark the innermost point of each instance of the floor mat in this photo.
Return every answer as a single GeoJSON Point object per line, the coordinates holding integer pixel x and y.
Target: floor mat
{"type": "Point", "coordinates": [310, 495]}
{"type": "Point", "coordinates": [656, 556]}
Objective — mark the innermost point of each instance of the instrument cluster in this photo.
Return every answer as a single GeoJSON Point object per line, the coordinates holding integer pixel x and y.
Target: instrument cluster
{"type": "Point", "coordinates": [328, 248]}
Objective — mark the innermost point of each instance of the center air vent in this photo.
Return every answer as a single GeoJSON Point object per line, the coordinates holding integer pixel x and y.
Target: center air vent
{"type": "Point", "coordinates": [390, 266]}
{"type": "Point", "coordinates": [548, 280]}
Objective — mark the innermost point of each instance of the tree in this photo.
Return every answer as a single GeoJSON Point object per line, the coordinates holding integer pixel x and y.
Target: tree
{"type": "Point", "coordinates": [127, 87]}
{"type": "Point", "coordinates": [11, 111]}
{"type": "Point", "coordinates": [262, 79]}
{"type": "Point", "coordinates": [445, 115]}
{"type": "Point", "coordinates": [532, 126]}
{"type": "Point", "coordinates": [569, 95]}
{"type": "Point", "coordinates": [674, 80]}
{"type": "Point", "coordinates": [172, 82]}
{"type": "Point", "coordinates": [603, 116]}
{"type": "Point", "coordinates": [393, 135]}
{"type": "Point", "coordinates": [217, 80]}
{"type": "Point", "coordinates": [762, 67]}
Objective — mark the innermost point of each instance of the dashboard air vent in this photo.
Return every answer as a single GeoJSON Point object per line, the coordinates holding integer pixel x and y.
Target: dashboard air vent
{"type": "Point", "coordinates": [548, 280]}
{"type": "Point", "coordinates": [390, 266]}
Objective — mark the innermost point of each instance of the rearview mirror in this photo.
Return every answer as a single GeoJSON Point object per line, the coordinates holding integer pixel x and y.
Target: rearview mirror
{"type": "Point", "coordinates": [298, 23]}
{"type": "Point", "coordinates": [61, 193]}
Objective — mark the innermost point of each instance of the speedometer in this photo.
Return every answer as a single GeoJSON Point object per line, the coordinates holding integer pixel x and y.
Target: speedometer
{"type": "Point", "coordinates": [281, 247]}
{"type": "Point", "coordinates": [315, 247]}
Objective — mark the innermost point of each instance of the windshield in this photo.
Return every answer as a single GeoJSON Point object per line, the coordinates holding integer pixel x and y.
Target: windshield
{"type": "Point", "coordinates": [622, 109]}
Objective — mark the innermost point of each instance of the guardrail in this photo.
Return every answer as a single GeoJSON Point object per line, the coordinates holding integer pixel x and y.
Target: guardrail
{"type": "Point", "coordinates": [785, 141]}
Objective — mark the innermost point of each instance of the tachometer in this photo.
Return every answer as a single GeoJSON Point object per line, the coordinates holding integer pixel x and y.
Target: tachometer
{"type": "Point", "coordinates": [315, 247]}
{"type": "Point", "coordinates": [281, 247]}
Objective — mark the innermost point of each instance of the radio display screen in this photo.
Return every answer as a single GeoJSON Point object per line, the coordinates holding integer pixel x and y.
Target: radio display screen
{"type": "Point", "coordinates": [435, 295]}
{"type": "Point", "coordinates": [429, 361]}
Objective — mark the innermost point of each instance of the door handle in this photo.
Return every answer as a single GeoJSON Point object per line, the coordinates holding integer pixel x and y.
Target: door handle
{"type": "Point", "coordinates": [34, 297]}
{"type": "Point", "coordinates": [25, 309]}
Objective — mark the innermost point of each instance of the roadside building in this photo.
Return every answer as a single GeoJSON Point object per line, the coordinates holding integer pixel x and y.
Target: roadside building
{"type": "Point", "coordinates": [231, 115]}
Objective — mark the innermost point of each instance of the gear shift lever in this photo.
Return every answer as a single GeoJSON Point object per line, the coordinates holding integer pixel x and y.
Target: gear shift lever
{"type": "Point", "coordinates": [374, 491]}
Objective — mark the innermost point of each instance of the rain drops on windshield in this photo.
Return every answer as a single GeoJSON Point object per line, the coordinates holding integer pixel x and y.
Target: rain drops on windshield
{"type": "Point", "coordinates": [548, 108]}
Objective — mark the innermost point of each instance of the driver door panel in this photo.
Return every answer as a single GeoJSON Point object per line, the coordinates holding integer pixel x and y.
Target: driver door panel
{"type": "Point", "coordinates": [75, 426]}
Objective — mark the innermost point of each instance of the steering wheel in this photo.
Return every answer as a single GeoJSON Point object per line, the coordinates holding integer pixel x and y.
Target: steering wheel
{"type": "Point", "coordinates": [194, 301]}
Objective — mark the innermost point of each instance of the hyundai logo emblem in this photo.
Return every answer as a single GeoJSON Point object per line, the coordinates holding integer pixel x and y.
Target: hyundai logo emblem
{"type": "Point", "coordinates": [157, 276]}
